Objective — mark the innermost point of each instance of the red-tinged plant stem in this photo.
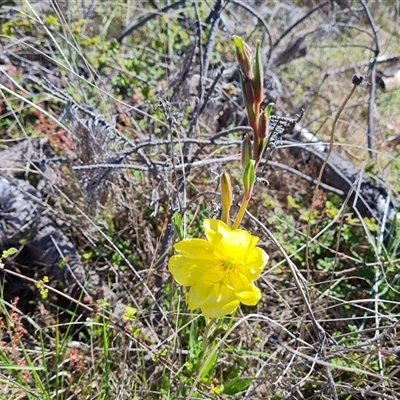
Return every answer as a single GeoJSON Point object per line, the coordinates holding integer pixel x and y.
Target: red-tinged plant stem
{"type": "Point", "coordinates": [255, 131]}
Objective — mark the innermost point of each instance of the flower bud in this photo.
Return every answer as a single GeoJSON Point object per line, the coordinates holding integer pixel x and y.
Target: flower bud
{"type": "Point", "coordinates": [246, 151]}
{"type": "Point", "coordinates": [262, 126]}
{"type": "Point", "coordinates": [226, 197]}
{"type": "Point", "coordinates": [249, 177]}
{"type": "Point", "coordinates": [244, 56]}
{"type": "Point", "coordinates": [248, 98]}
{"type": "Point", "coordinates": [226, 189]}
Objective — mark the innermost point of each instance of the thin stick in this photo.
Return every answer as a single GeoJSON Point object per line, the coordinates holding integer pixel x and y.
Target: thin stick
{"type": "Point", "coordinates": [372, 91]}
{"type": "Point", "coordinates": [323, 169]}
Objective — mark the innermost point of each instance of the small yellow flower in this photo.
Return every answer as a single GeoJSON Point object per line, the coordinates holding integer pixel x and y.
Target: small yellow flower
{"type": "Point", "coordinates": [220, 270]}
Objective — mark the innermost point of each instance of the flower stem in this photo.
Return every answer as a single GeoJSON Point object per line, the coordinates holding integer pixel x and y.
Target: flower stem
{"type": "Point", "coordinates": [241, 212]}
{"type": "Point", "coordinates": [206, 338]}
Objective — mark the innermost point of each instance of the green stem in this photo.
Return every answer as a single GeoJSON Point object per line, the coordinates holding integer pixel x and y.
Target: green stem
{"type": "Point", "coordinates": [241, 212]}
{"type": "Point", "coordinates": [206, 337]}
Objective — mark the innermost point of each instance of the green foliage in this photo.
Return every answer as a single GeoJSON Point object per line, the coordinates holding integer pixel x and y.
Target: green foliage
{"type": "Point", "coordinates": [41, 285]}
{"type": "Point", "coordinates": [335, 234]}
{"type": "Point", "coordinates": [8, 253]}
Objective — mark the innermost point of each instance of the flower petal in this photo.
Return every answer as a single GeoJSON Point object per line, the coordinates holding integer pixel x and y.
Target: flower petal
{"type": "Point", "coordinates": [249, 297]}
{"type": "Point", "coordinates": [214, 300]}
{"type": "Point", "coordinates": [245, 291]}
{"type": "Point", "coordinates": [185, 271]}
{"type": "Point", "coordinates": [195, 256]}
{"type": "Point", "coordinates": [197, 248]}
{"type": "Point", "coordinates": [254, 264]}
{"type": "Point", "coordinates": [216, 232]}
{"type": "Point", "coordinates": [234, 244]}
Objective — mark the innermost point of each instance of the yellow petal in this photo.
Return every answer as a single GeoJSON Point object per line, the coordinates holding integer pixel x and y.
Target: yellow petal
{"type": "Point", "coordinates": [198, 294]}
{"type": "Point", "coordinates": [245, 291]}
{"type": "Point", "coordinates": [240, 244]}
{"type": "Point", "coordinates": [215, 230]}
{"type": "Point", "coordinates": [211, 310]}
{"type": "Point", "coordinates": [213, 300]}
{"type": "Point", "coordinates": [234, 244]}
{"type": "Point", "coordinates": [184, 270]}
{"type": "Point", "coordinates": [197, 248]}
{"type": "Point", "coordinates": [195, 258]}
{"type": "Point", "coordinates": [249, 297]}
{"type": "Point", "coordinates": [254, 264]}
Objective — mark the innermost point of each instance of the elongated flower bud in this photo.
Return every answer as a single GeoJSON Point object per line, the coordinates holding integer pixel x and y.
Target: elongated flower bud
{"type": "Point", "coordinates": [246, 151]}
{"type": "Point", "coordinates": [262, 126]}
{"type": "Point", "coordinates": [249, 177]}
{"type": "Point", "coordinates": [244, 57]}
{"type": "Point", "coordinates": [226, 197]}
{"type": "Point", "coordinates": [263, 129]}
{"type": "Point", "coordinates": [248, 91]}
{"type": "Point", "coordinates": [248, 97]}
{"type": "Point", "coordinates": [226, 189]}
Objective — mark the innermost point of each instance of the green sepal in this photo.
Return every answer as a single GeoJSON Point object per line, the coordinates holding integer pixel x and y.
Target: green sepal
{"type": "Point", "coordinates": [258, 82]}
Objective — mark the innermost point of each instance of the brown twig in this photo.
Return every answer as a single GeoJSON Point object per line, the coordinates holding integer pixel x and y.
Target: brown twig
{"type": "Point", "coordinates": [372, 91]}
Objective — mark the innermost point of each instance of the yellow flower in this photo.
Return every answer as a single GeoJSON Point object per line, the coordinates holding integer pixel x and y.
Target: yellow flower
{"type": "Point", "coordinates": [220, 270]}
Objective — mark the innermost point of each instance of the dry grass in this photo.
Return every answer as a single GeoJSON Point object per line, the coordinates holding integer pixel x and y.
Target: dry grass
{"type": "Point", "coordinates": [135, 135]}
